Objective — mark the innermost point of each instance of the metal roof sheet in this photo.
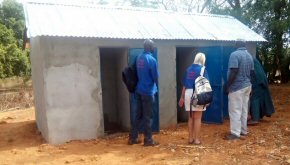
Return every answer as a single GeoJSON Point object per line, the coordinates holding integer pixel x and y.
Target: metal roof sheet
{"type": "Point", "coordinates": [43, 19]}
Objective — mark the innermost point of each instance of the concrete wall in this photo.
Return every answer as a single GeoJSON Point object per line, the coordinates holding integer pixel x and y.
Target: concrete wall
{"type": "Point", "coordinates": [71, 89]}
{"type": "Point", "coordinates": [122, 93]}
{"type": "Point", "coordinates": [37, 68]}
{"type": "Point", "coordinates": [252, 48]}
{"type": "Point", "coordinates": [167, 86]}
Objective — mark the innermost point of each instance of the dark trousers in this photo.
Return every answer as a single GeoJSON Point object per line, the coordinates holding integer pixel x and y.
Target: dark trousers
{"type": "Point", "coordinates": [142, 113]}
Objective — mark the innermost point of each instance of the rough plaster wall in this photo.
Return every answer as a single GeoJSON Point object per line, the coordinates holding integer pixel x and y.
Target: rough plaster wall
{"type": "Point", "coordinates": [251, 47]}
{"type": "Point", "coordinates": [73, 89]}
{"type": "Point", "coordinates": [36, 58]}
{"type": "Point", "coordinates": [167, 86]}
{"type": "Point", "coordinates": [122, 94]}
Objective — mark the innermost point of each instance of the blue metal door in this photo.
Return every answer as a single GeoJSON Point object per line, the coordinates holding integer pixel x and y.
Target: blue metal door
{"type": "Point", "coordinates": [133, 53]}
{"type": "Point", "coordinates": [214, 60]}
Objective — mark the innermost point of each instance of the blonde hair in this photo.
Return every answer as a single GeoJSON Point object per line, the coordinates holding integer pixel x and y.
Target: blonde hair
{"type": "Point", "coordinates": [199, 59]}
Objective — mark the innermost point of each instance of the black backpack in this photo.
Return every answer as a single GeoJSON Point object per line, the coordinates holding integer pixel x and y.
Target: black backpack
{"type": "Point", "coordinates": [130, 77]}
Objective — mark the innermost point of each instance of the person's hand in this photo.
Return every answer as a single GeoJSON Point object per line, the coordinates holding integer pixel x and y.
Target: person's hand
{"type": "Point", "coordinates": [181, 102]}
{"type": "Point", "coordinates": [251, 93]}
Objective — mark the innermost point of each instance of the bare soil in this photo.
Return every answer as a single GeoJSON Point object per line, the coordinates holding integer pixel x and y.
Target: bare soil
{"type": "Point", "coordinates": [267, 144]}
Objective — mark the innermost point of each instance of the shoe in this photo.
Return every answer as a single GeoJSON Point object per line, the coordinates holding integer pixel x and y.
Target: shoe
{"type": "Point", "coordinates": [243, 134]}
{"type": "Point", "coordinates": [152, 143]}
{"type": "Point", "coordinates": [133, 141]}
{"type": "Point", "coordinates": [231, 137]}
{"type": "Point", "coordinates": [252, 122]}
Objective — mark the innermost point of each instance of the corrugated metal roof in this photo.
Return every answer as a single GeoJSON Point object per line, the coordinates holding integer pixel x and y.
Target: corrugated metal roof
{"type": "Point", "coordinates": [99, 22]}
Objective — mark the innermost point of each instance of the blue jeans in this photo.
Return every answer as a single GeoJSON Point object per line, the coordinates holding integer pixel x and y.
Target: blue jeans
{"type": "Point", "coordinates": [142, 114]}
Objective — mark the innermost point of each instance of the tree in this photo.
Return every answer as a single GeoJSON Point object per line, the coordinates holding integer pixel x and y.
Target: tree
{"type": "Point", "coordinates": [271, 18]}
{"type": "Point", "coordinates": [13, 60]}
{"type": "Point", "coordinates": [197, 6]}
{"type": "Point", "coordinates": [12, 16]}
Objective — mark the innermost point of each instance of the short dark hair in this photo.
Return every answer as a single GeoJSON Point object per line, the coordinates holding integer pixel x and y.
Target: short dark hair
{"type": "Point", "coordinates": [148, 45]}
{"type": "Point", "coordinates": [240, 43]}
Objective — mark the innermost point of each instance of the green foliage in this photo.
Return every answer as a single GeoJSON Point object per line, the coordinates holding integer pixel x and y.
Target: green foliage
{"type": "Point", "coordinates": [271, 18]}
{"type": "Point", "coordinates": [2, 61]}
{"type": "Point", "coordinates": [11, 15]}
{"type": "Point", "coordinates": [13, 60]}
{"type": "Point", "coordinates": [6, 36]}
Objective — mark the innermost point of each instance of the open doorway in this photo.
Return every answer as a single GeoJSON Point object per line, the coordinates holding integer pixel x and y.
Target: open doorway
{"type": "Point", "coordinates": [114, 93]}
{"type": "Point", "coordinates": [184, 58]}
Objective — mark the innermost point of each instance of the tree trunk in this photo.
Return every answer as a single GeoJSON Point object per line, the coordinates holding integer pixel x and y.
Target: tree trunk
{"type": "Point", "coordinates": [278, 6]}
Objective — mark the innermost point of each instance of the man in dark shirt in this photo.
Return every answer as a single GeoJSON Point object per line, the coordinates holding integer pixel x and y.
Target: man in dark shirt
{"type": "Point", "coordinates": [146, 88]}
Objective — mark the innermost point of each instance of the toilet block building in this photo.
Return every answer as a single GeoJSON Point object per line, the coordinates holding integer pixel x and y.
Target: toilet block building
{"type": "Point", "coordinates": [78, 53]}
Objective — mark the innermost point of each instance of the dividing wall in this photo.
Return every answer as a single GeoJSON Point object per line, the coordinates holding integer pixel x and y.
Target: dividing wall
{"type": "Point", "coordinates": [114, 93]}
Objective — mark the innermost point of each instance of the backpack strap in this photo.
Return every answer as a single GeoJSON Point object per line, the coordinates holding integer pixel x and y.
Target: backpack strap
{"type": "Point", "coordinates": [190, 109]}
{"type": "Point", "coordinates": [202, 70]}
{"type": "Point", "coordinates": [193, 92]}
{"type": "Point", "coordinates": [191, 102]}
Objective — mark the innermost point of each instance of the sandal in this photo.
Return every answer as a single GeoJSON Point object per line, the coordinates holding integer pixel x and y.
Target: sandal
{"type": "Point", "coordinates": [191, 142]}
{"type": "Point", "coordinates": [253, 122]}
{"type": "Point", "coordinates": [197, 143]}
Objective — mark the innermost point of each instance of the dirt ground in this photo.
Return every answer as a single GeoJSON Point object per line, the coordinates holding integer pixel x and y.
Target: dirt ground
{"type": "Point", "coordinates": [267, 144]}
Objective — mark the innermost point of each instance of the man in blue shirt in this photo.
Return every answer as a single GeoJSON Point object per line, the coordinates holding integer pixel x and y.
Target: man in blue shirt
{"type": "Point", "coordinates": [238, 88]}
{"type": "Point", "coordinates": [146, 88]}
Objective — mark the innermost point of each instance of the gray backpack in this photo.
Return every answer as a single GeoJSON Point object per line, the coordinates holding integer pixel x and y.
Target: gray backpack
{"type": "Point", "coordinates": [203, 93]}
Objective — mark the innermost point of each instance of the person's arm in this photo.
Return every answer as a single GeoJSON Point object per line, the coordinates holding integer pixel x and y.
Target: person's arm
{"type": "Point", "coordinates": [154, 71]}
{"type": "Point", "coordinates": [231, 79]}
{"type": "Point", "coordinates": [252, 73]}
{"type": "Point", "coordinates": [182, 96]}
{"type": "Point", "coordinates": [233, 71]}
{"type": "Point", "coordinates": [181, 100]}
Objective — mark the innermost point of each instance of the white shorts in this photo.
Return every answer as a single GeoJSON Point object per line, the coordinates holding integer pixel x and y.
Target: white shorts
{"type": "Point", "coordinates": [187, 97]}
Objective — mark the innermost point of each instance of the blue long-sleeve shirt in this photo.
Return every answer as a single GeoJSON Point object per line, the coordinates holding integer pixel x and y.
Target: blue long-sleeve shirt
{"type": "Point", "coordinates": [147, 74]}
{"type": "Point", "coordinates": [191, 73]}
